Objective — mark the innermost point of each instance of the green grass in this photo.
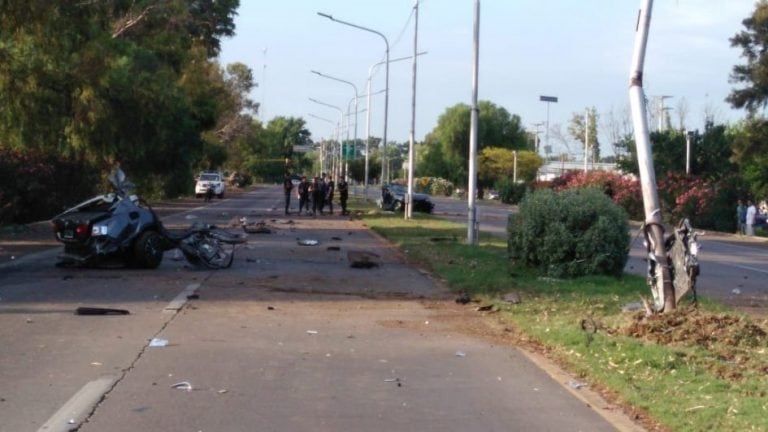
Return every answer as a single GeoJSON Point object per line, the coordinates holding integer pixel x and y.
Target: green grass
{"type": "Point", "coordinates": [684, 387]}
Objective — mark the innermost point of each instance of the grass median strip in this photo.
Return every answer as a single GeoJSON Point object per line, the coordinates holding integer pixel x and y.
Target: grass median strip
{"type": "Point", "coordinates": [688, 371]}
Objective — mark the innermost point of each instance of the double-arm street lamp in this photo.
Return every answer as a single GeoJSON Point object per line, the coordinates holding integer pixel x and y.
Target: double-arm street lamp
{"type": "Point", "coordinates": [384, 164]}
{"type": "Point", "coordinates": [341, 113]}
{"type": "Point", "coordinates": [336, 131]}
{"type": "Point", "coordinates": [356, 97]}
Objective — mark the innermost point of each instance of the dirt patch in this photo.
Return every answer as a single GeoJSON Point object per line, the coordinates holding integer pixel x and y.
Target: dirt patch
{"type": "Point", "coordinates": [737, 344]}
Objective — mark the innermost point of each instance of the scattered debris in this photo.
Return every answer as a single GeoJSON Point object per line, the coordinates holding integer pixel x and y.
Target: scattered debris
{"type": "Point", "coordinates": [312, 332]}
{"type": "Point", "coordinates": [307, 242]}
{"type": "Point", "coordinates": [270, 308]}
{"type": "Point", "coordinates": [512, 298]}
{"type": "Point", "coordinates": [632, 307]}
{"type": "Point", "coordinates": [485, 308]}
{"type": "Point", "coordinates": [177, 255]}
{"type": "Point", "coordinates": [158, 343]}
{"type": "Point", "coordinates": [461, 354]}
{"type": "Point", "coordinates": [576, 385]}
{"type": "Point", "coordinates": [333, 248]}
{"type": "Point", "coordinates": [184, 385]}
{"type": "Point", "coordinates": [100, 311]}
{"type": "Point", "coordinates": [222, 391]}
{"type": "Point", "coordinates": [189, 217]}
{"type": "Point", "coordinates": [336, 238]}
{"type": "Point", "coordinates": [394, 380]}
{"type": "Point", "coordinates": [736, 291]}
{"type": "Point", "coordinates": [463, 298]}
{"type": "Point", "coordinates": [363, 259]}
{"type": "Point", "coordinates": [193, 297]}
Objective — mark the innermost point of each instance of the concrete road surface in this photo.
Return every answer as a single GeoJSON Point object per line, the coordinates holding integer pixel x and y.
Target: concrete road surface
{"type": "Point", "coordinates": [291, 338]}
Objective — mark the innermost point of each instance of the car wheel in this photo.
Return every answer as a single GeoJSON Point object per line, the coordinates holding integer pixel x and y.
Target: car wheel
{"type": "Point", "coordinates": [147, 250]}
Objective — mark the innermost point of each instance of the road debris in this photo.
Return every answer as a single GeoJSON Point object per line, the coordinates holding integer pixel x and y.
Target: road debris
{"type": "Point", "coordinates": [512, 298]}
{"type": "Point", "coordinates": [463, 298]}
{"type": "Point", "coordinates": [485, 308]}
{"type": "Point", "coordinates": [336, 238]}
{"type": "Point", "coordinates": [184, 385]}
{"type": "Point", "coordinates": [190, 217]}
{"type": "Point", "coordinates": [312, 332]}
{"type": "Point", "coordinates": [736, 291]}
{"type": "Point", "coordinates": [333, 248]}
{"type": "Point", "coordinates": [100, 311]}
{"type": "Point", "coordinates": [307, 242]}
{"type": "Point", "coordinates": [363, 259]}
{"type": "Point", "coordinates": [461, 354]}
{"type": "Point", "coordinates": [158, 343]}
{"type": "Point", "coordinates": [576, 384]}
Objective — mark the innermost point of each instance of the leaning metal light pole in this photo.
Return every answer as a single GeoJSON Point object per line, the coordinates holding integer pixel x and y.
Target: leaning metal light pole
{"type": "Point", "coordinates": [473, 133]}
{"type": "Point", "coordinates": [356, 97]}
{"type": "Point", "coordinates": [384, 164]}
{"type": "Point", "coordinates": [661, 279]}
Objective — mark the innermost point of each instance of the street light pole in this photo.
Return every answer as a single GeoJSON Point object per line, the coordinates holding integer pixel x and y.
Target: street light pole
{"type": "Point", "coordinates": [322, 146]}
{"type": "Point", "coordinates": [368, 116]}
{"type": "Point", "coordinates": [548, 100]}
{"type": "Point", "coordinates": [409, 200]}
{"type": "Point", "coordinates": [662, 289]}
{"type": "Point", "coordinates": [386, 91]}
{"type": "Point", "coordinates": [354, 88]}
{"type": "Point", "coordinates": [341, 112]}
{"type": "Point", "coordinates": [473, 132]}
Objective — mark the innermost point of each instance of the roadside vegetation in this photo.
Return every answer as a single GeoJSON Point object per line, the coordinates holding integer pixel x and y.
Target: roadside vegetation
{"type": "Point", "coordinates": [692, 370]}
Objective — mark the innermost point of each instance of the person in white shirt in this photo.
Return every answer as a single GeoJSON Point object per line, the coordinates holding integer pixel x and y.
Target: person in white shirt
{"type": "Point", "coordinates": [750, 219]}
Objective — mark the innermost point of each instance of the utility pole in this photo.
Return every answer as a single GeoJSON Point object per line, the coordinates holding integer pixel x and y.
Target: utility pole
{"type": "Point", "coordinates": [586, 139]}
{"type": "Point", "coordinates": [411, 159]}
{"type": "Point", "coordinates": [473, 133]}
{"type": "Point", "coordinates": [661, 281]}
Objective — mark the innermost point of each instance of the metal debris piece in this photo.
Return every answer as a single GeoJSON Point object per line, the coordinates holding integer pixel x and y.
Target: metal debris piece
{"type": "Point", "coordinates": [184, 385]}
{"type": "Point", "coordinates": [461, 354]}
{"type": "Point", "coordinates": [485, 308]}
{"type": "Point", "coordinates": [312, 332]}
{"type": "Point", "coordinates": [333, 248]}
{"type": "Point", "coordinates": [188, 217]}
{"type": "Point", "coordinates": [100, 311]}
{"type": "Point", "coordinates": [336, 238]}
{"type": "Point", "coordinates": [308, 242]}
{"type": "Point", "coordinates": [576, 385]}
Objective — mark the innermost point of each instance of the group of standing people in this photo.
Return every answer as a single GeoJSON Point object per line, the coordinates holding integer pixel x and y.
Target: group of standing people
{"type": "Point", "coordinates": [317, 194]}
{"type": "Point", "coordinates": [747, 216]}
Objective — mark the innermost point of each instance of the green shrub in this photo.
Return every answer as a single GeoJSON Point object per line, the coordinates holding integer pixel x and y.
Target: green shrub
{"type": "Point", "coordinates": [509, 192]}
{"type": "Point", "coordinates": [570, 233]}
{"type": "Point", "coordinates": [434, 186]}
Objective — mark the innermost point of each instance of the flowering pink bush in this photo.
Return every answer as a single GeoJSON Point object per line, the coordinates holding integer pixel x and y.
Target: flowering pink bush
{"type": "Point", "coordinates": [685, 196]}
{"type": "Point", "coordinates": [623, 190]}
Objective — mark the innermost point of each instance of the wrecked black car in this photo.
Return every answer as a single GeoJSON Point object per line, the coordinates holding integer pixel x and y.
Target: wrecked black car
{"type": "Point", "coordinates": [393, 199]}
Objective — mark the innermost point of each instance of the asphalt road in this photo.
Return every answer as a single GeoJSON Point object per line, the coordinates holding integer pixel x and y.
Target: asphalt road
{"type": "Point", "coordinates": [289, 338]}
{"type": "Point", "coordinates": [733, 268]}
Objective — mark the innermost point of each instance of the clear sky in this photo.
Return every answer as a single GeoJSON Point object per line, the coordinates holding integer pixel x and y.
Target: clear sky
{"type": "Point", "coordinates": [578, 51]}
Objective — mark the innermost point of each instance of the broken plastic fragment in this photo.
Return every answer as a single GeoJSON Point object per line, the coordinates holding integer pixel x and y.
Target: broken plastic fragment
{"type": "Point", "coordinates": [312, 332]}
{"type": "Point", "coordinates": [461, 354]}
{"type": "Point", "coordinates": [576, 385]}
{"type": "Point", "coordinates": [308, 242]}
{"type": "Point", "coordinates": [156, 342]}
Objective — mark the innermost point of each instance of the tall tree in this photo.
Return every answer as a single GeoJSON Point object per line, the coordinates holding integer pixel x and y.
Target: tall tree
{"type": "Point", "coordinates": [497, 128]}
{"type": "Point", "coordinates": [577, 128]}
{"type": "Point", "coordinates": [753, 75]}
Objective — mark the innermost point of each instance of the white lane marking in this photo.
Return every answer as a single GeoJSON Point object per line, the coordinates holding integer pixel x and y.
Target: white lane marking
{"type": "Point", "coordinates": [74, 412]}
{"type": "Point", "coordinates": [176, 304]}
{"type": "Point", "coordinates": [749, 268]}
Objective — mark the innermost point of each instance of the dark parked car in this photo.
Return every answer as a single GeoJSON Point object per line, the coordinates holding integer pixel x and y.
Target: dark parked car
{"type": "Point", "coordinates": [393, 199]}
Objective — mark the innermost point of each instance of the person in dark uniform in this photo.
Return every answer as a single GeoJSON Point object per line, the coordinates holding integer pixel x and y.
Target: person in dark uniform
{"type": "Point", "coordinates": [318, 194]}
{"type": "Point", "coordinates": [304, 195]}
{"type": "Point", "coordinates": [330, 188]}
{"type": "Point", "coordinates": [343, 195]}
{"type": "Point", "coordinates": [287, 188]}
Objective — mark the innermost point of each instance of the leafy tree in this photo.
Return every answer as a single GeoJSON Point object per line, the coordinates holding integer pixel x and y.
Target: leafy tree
{"type": "Point", "coordinates": [577, 127]}
{"type": "Point", "coordinates": [498, 163]}
{"type": "Point", "coordinates": [497, 128]}
{"type": "Point", "coordinates": [753, 75]}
